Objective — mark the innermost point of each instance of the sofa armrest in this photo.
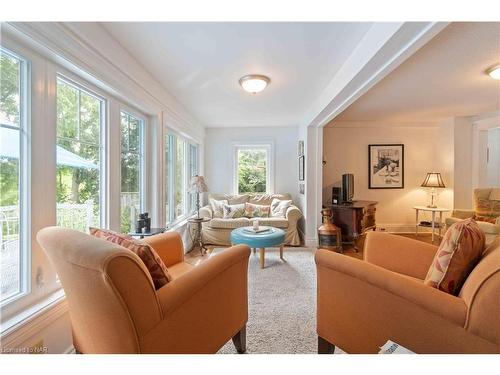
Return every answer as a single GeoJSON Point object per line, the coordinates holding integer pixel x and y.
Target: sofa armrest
{"type": "Point", "coordinates": [169, 247]}
{"type": "Point", "coordinates": [399, 254]}
{"type": "Point", "coordinates": [206, 211]}
{"type": "Point", "coordinates": [204, 307]}
{"type": "Point", "coordinates": [462, 214]}
{"type": "Point", "coordinates": [431, 299]}
{"type": "Point", "coordinates": [293, 214]}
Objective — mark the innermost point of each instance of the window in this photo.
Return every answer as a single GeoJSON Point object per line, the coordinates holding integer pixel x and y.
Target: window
{"type": "Point", "coordinates": [131, 193]}
{"type": "Point", "coordinates": [181, 164]}
{"type": "Point", "coordinates": [252, 169]}
{"type": "Point", "coordinates": [14, 231]}
{"type": "Point", "coordinates": [79, 121]}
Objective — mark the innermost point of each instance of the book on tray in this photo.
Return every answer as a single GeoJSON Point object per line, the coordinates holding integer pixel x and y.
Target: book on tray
{"type": "Point", "coordinates": [258, 230]}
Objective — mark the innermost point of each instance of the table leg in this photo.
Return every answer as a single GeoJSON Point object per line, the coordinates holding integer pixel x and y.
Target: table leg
{"type": "Point", "coordinates": [416, 223]}
{"type": "Point", "coordinates": [281, 251]}
{"type": "Point", "coordinates": [433, 224]}
{"type": "Point", "coordinates": [262, 255]}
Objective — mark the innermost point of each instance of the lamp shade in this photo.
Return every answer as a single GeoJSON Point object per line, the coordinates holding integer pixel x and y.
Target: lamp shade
{"type": "Point", "coordinates": [198, 185]}
{"type": "Point", "coordinates": [433, 180]}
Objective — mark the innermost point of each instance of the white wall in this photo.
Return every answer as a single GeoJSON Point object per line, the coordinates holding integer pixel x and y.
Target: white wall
{"type": "Point", "coordinates": [428, 148]}
{"type": "Point", "coordinates": [493, 164]}
{"type": "Point", "coordinates": [218, 161]}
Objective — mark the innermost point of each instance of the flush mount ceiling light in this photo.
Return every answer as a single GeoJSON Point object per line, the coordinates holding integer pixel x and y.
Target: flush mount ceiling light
{"type": "Point", "coordinates": [254, 83]}
{"type": "Point", "coordinates": [494, 71]}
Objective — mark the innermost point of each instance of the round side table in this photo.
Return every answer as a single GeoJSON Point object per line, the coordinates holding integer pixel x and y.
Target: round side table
{"type": "Point", "coordinates": [196, 225]}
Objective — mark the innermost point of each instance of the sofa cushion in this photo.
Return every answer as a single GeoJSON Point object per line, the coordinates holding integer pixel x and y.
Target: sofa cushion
{"type": "Point", "coordinates": [266, 199]}
{"type": "Point", "coordinates": [256, 210]}
{"type": "Point", "coordinates": [459, 252]}
{"type": "Point", "coordinates": [231, 199]}
{"type": "Point", "coordinates": [279, 207]}
{"type": "Point", "coordinates": [233, 211]}
{"type": "Point", "coordinates": [148, 255]}
{"type": "Point", "coordinates": [488, 219]}
{"type": "Point", "coordinates": [229, 223]}
{"type": "Point", "coordinates": [217, 207]}
{"type": "Point", "coordinates": [276, 222]}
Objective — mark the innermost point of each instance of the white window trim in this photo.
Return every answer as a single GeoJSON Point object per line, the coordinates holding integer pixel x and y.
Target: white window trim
{"type": "Point", "coordinates": [270, 176]}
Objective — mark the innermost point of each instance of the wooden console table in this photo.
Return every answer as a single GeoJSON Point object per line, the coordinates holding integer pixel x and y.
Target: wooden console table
{"type": "Point", "coordinates": [354, 219]}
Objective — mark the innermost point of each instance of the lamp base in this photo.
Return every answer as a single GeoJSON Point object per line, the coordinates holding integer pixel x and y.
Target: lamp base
{"type": "Point", "coordinates": [431, 206]}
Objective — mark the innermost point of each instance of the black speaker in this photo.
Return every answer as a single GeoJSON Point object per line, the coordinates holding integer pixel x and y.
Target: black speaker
{"type": "Point", "coordinates": [336, 195]}
{"type": "Point", "coordinates": [347, 187]}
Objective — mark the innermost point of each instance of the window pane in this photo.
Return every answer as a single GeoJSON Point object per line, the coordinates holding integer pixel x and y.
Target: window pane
{"type": "Point", "coordinates": [131, 162]}
{"type": "Point", "coordinates": [168, 179]}
{"type": "Point", "coordinates": [180, 179]}
{"type": "Point", "coordinates": [78, 158]}
{"type": "Point", "coordinates": [12, 265]}
{"type": "Point", "coordinates": [252, 171]}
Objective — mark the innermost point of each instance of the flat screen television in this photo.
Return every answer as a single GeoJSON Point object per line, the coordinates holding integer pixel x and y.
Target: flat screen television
{"type": "Point", "coordinates": [347, 187]}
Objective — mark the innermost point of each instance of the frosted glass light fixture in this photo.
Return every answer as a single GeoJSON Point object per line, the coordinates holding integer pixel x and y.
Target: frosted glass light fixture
{"type": "Point", "coordinates": [254, 83]}
{"type": "Point", "coordinates": [494, 72]}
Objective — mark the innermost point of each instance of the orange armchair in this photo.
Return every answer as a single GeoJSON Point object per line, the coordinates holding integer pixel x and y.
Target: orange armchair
{"type": "Point", "coordinates": [363, 303]}
{"type": "Point", "coordinates": [114, 307]}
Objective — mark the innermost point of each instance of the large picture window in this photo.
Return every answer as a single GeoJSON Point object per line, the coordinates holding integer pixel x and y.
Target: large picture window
{"type": "Point", "coordinates": [252, 169]}
{"type": "Point", "coordinates": [131, 193]}
{"type": "Point", "coordinates": [14, 238]}
{"type": "Point", "coordinates": [181, 164]}
{"type": "Point", "coordinates": [79, 122]}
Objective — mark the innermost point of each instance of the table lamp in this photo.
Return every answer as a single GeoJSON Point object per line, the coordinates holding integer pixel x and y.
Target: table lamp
{"type": "Point", "coordinates": [433, 180]}
{"type": "Point", "coordinates": [197, 186]}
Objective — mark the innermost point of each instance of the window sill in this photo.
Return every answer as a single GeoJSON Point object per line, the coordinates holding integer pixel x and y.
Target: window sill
{"type": "Point", "coordinates": [32, 313]}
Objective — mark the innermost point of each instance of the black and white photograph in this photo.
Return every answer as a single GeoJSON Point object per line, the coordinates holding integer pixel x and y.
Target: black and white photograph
{"type": "Point", "coordinates": [301, 168]}
{"type": "Point", "coordinates": [386, 166]}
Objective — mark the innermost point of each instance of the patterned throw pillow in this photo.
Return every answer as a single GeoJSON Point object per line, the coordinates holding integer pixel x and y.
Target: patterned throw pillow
{"type": "Point", "coordinates": [256, 210]}
{"type": "Point", "coordinates": [488, 219]}
{"type": "Point", "coordinates": [457, 255]}
{"type": "Point", "coordinates": [279, 207]}
{"type": "Point", "coordinates": [148, 255]}
{"type": "Point", "coordinates": [217, 207]}
{"type": "Point", "coordinates": [233, 211]}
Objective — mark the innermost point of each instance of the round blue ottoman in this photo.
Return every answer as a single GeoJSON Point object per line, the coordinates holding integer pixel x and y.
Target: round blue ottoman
{"type": "Point", "coordinates": [273, 237]}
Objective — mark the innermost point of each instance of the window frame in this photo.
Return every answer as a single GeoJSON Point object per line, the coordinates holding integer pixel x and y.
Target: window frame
{"type": "Point", "coordinates": [269, 147]}
{"type": "Point", "coordinates": [25, 250]}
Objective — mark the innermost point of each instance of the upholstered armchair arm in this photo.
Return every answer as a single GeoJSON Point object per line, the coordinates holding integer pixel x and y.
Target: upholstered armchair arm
{"type": "Point", "coordinates": [206, 211]}
{"type": "Point", "coordinates": [168, 246]}
{"type": "Point", "coordinates": [399, 254]}
{"type": "Point", "coordinates": [462, 214]}
{"type": "Point", "coordinates": [203, 307]}
{"type": "Point", "coordinates": [293, 215]}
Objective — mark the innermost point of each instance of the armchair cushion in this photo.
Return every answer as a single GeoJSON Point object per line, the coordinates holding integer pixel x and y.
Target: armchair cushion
{"type": "Point", "coordinates": [256, 210]}
{"type": "Point", "coordinates": [154, 264]}
{"type": "Point", "coordinates": [233, 211]}
{"type": "Point", "coordinates": [457, 255]}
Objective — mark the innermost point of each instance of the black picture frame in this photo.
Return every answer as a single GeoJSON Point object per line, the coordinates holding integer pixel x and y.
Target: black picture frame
{"type": "Point", "coordinates": [302, 168]}
{"type": "Point", "coordinates": [386, 166]}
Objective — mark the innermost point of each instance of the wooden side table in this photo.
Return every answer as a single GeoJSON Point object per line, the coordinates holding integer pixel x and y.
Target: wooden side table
{"type": "Point", "coordinates": [196, 224]}
{"type": "Point", "coordinates": [433, 223]}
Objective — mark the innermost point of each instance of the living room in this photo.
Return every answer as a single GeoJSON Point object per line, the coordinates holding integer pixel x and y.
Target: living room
{"type": "Point", "coordinates": [258, 187]}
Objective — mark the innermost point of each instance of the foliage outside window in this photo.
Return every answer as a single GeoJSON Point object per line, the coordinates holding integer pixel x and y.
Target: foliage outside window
{"type": "Point", "coordinates": [79, 117]}
{"type": "Point", "coordinates": [131, 170]}
{"type": "Point", "coordinates": [13, 242]}
{"type": "Point", "coordinates": [252, 170]}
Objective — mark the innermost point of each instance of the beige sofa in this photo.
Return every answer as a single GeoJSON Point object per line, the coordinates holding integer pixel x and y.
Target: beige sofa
{"type": "Point", "coordinates": [217, 231]}
{"type": "Point", "coordinates": [486, 204]}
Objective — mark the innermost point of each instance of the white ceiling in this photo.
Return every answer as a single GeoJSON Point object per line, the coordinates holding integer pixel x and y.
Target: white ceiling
{"type": "Point", "coordinates": [445, 78]}
{"type": "Point", "coordinates": [200, 64]}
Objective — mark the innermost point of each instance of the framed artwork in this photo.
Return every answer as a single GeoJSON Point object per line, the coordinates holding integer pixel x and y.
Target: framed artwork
{"type": "Point", "coordinates": [386, 166]}
{"type": "Point", "coordinates": [302, 189]}
{"type": "Point", "coordinates": [301, 148]}
{"type": "Point", "coordinates": [301, 167]}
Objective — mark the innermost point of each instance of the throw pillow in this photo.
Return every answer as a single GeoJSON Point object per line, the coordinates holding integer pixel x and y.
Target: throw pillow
{"type": "Point", "coordinates": [217, 207]}
{"type": "Point", "coordinates": [233, 211]}
{"type": "Point", "coordinates": [279, 207]}
{"type": "Point", "coordinates": [148, 255]}
{"type": "Point", "coordinates": [459, 252]}
{"type": "Point", "coordinates": [256, 210]}
{"type": "Point", "coordinates": [488, 219]}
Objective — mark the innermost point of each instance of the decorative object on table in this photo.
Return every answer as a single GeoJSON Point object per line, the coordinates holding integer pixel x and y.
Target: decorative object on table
{"type": "Point", "coordinates": [198, 186]}
{"type": "Point", "coordinates": [386, 166]}
{"type": "Point", "coordinates": [329, 235]}
{"type": "Point", "coordinates": [301, 148]}
{"type": "Point", "coordinates": [143, 224]}
{"type": "Point", "coordinates": [301, 168]}
{"type": "Point", "coordinates": [347, 188]}
{"type": "Point", "coordinates": [430, 224]}
{"type": "Point", "coordinates": [302, 188]}
{"type": "Point", "coordinates": [336, 195]}
{"type": "Point", "coordinates": [255, 225]}
{"type": "Point", "coordinates": [196, 227]}
{"type": "Point", "coordinates": [433, 181]}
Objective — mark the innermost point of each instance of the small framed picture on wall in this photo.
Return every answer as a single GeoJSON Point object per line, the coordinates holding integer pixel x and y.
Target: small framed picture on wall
{"type": "Point", "coordinates": [386, 166]}
{"type": "Point", "coordinates": [301, 168]}
{"type": "Point", "coordinates": [301, 148]}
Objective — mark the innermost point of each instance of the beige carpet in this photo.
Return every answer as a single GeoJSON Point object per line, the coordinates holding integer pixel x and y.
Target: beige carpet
{"type": "Point", "coordinates": [282, 304]}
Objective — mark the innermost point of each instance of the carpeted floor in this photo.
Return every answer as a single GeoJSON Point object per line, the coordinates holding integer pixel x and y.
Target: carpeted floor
{"type": "Point", "coordinates": [282, 304]}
